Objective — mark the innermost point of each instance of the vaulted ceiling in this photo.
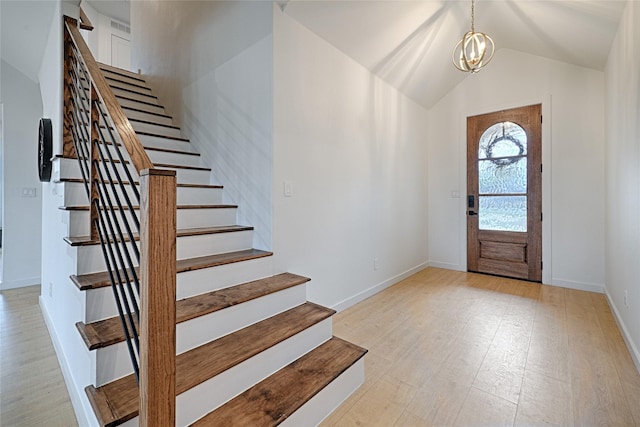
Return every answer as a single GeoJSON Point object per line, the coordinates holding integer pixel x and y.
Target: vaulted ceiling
{"type": "Point", "coordinates": [409, 43]}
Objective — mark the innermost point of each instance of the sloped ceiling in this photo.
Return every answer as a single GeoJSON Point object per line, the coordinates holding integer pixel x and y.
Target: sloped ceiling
{"type": "Point", "coordinates": [24, 29]}
{"type": "Point", "coordinates": [409, 43]}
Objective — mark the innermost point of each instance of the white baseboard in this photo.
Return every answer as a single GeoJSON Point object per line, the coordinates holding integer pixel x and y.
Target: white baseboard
{"type": "Point", "coordinates": [77, 401]}
{"type": "Point", "coordinates": [343, 305]}
{"type": "Point", "coordinates": [446, 266]}
{"type": "Point", "coordinates": [633, 349]}
{"type": "Point", "coordinates": [21, 283]}
{"type": "Point", "coordinates": [580, 286]}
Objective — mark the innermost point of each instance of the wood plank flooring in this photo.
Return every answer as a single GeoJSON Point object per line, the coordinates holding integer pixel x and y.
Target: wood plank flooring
{"type": "Point", "coordinates": [32, 390]}
{"type": "Point", "coordinates": [445, 348]}
{"type": "Point", "coordinates": [459, 349]}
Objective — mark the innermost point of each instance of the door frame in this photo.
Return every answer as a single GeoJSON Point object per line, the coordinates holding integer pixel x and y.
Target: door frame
{"type": "Point", "coordinates": [474, 110]}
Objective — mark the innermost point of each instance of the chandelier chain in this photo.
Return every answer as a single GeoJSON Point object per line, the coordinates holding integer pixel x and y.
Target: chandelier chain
{"type": "Point", "coordinates": [473, 16]}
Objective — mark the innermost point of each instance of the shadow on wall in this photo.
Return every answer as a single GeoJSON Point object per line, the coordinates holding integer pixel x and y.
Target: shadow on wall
{"type": "Point", "coordinates": [228, 115]}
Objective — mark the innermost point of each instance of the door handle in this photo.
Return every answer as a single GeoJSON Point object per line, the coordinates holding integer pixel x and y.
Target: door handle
{"type": "Point", "coordinates": [471, 213]}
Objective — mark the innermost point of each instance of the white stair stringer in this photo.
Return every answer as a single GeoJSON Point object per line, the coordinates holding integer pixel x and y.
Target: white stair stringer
{"type": "Point", "coordinates": [113, 362]}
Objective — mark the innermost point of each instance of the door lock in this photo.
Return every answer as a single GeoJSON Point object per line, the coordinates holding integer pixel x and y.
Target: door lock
{"type": "Point", "coordinates": [471, 213]}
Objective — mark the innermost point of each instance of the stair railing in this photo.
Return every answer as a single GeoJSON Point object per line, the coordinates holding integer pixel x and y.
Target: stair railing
{"type": "Point", "coordinates": [98, 134]}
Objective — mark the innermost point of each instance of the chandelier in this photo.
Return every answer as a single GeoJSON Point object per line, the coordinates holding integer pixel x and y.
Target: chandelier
{"type": "Point", "coordinates": [475, 50]}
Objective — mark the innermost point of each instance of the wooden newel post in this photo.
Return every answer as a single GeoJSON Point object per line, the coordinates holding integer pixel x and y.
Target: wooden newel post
{"type": "Point", "coordinates": [157, 298]}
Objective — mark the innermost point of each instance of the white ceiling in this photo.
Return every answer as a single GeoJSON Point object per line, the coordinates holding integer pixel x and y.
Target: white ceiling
{"type": "Point", "coordinates": [118, 9]}
{"type": "Point", "coordinates": [408, 43]}
{"type": "Point", "coordinates": [24, 29]}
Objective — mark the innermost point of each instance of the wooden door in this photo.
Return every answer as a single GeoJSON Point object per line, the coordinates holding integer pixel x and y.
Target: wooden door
{"type": "Point", "coordinates": [504, 202]}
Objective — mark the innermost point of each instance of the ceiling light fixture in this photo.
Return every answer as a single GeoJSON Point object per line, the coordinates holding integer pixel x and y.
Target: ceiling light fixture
{"type": "Point", "coordinates": [475, 50]}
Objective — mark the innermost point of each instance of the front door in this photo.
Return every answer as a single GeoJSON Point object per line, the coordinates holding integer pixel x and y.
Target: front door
{"type": "Point", "coordinates": [504, 202]}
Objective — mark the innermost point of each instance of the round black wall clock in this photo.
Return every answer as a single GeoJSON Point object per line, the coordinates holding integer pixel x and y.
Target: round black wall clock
{"type": "Point", "coordinates": [45, 150]}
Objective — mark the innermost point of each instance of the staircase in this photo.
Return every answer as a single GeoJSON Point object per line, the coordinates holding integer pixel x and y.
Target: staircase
{"type": "Point", "coordinates": [250, 349]}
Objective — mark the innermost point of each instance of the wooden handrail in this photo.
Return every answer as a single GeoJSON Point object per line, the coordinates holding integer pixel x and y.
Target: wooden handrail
{"type": "Point", "coordinates": [128, 136]}
{"type": "Point", "coordinates": [85, 22]}
{"type": "Point", "coordinates": [156, 228]}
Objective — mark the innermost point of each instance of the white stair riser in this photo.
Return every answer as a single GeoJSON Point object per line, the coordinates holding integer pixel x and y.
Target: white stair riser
{"type": "Point", "coordinates": [75, 194]}
{"type": "Point", "coordinates": [202, 399]}
{"type": "Point", "coordinates": [113, 361]}
{"type": "Point", "coordinates": [324, 403]}
{"type": "Point", "coordinates": [191, 176]}
{"type": "Point", "coordinates": [154, 155]}
{"type": "Point", "coordinates": [159, 142]}
{"type": "Point", "coordinates": [156, 129]}
{"type": "Point", "coordinates": [123, 78]}
{"type": "Point", "coordinates": [186, 218]}
{"type": "Point", "coordinates": [135, 86]}
{"type": "Point", "coordinates": [173, 158]}
{"type": "Point", "coordinates": [90, 258]}
{"type": "Point", "coordinates": [101, 304]}
{"type": "Point", "coordinates": [148, 106]}
{"type": "Point", "coordinates": [197, 282]}
{"type": "Point", "coordinates": [134, 95]}
{"type": "Point", "coordinates": [69, 169]}
{"type": "Point", "coordinates": [117, 70]}
{"type": "Point", "coordinates": [142, 115]}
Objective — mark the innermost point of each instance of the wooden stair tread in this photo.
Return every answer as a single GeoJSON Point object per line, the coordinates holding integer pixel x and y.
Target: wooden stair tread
{"type": "Point", "coordinates": [185, 232]}
{"type": "Point", "coordinates": [274, 399]}
{"type": "Point", "coordinates": [99, 280]}
{"type": "Point", "coordinates": [109, 331]}
{"type": "Point", "coordinates": [166, 165]}
{"type": "Point", "coordinates": [86, 208]}
{"type": "Point", "coordinates": [152, 104]}
{"type": "Point", "coordinates": [155, 124]}
{"type": "Point", "coordinates": [119, 81]}
{"type": "Point", "coordinates": [124, 107]}
{"type": "Point", "coordinates": [117, 402]}
{"type": "Point", "coordinates": [148, 95]}
{"type": "Point", "coordinates": [121, 71]}
{"type": "Point", "coordinates": [169, 150]}
{"type": "Point", "coordinates": [79, 180]}
{"type": "Point", "coordinates": [175, 138]}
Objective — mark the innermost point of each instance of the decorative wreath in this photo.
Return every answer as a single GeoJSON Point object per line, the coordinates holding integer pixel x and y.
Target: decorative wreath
{"type": "Point", "coordinates": [505, 161]}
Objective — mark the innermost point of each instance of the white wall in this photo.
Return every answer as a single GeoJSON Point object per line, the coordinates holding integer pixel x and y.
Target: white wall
{"type": "Point", "coordinates": [22, 215]}
{"type": "Point", "coordinates": [354, 150]}
{"type": "Point", "coordinates": [62, 303]}
{"type": "Point", "coordinates": [211, 66]}
{"type": "Point", "coordinates": [573, 158]}
{"type": "Point", "coordinates": [623, 175]}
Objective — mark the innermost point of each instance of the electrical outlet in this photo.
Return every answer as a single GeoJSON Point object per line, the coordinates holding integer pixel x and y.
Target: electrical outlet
{"type": "Point", "coordinates": [626, 298]}
{"type": "Point", "coordinates": [375, 263]}
{"type": "Point", "coordinates": [50, 290]}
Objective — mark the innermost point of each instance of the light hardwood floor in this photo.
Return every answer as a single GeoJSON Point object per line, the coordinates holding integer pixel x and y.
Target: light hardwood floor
{"type": "Point", "coordinates": [449, 348]}
{"type": "Point", "coordinates": [445, 348]}
{"type": "Point", "coordinates": [32, 390]}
